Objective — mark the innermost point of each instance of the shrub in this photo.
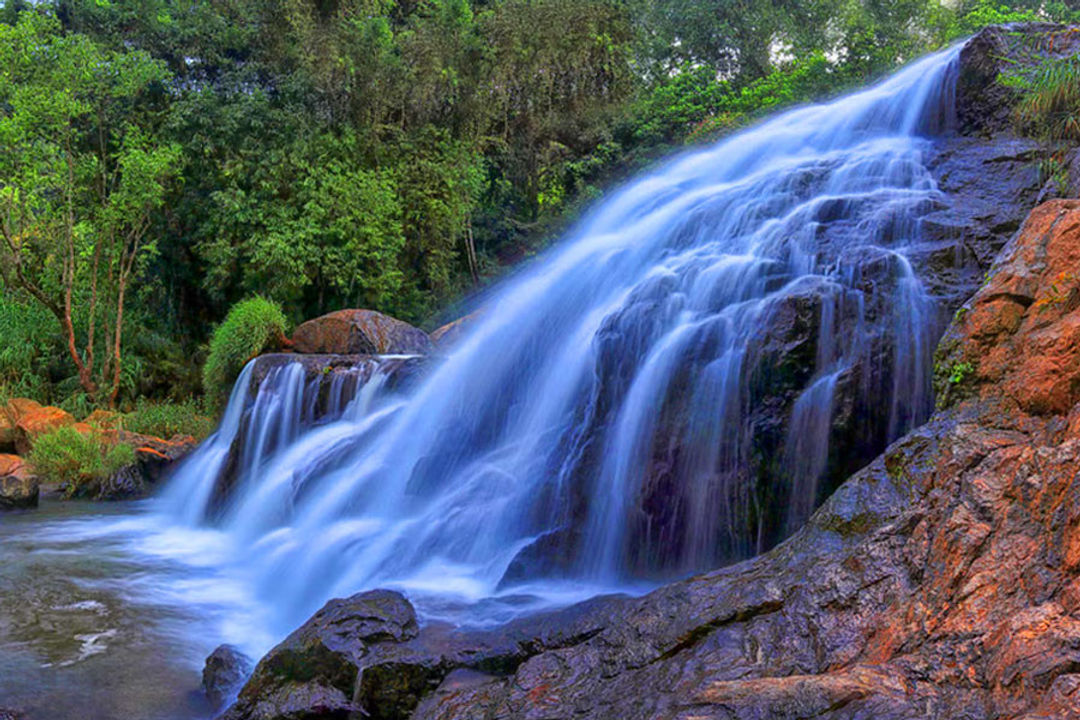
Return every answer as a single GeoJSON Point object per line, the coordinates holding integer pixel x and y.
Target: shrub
{"type": "Point", "coordinates": [252, 326]}
{"type": "Point", "coordinates": [77, 460]}
{"type": "Point", "coordinates": [167, 419]}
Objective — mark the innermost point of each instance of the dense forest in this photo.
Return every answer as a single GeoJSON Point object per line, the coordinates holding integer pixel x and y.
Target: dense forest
{"type": "Point", "coordinates": [166, 159]}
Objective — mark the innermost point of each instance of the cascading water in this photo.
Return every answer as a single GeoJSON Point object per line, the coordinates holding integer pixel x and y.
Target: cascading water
{"type": "Point", "coordinates": [613, 415]}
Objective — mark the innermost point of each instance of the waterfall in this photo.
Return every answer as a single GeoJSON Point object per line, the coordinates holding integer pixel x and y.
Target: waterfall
{"type": "Point", "coordinates": [654, 396]}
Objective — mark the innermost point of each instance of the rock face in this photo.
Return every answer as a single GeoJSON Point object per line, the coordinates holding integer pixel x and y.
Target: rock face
{"type": "Point", "coordinates": [225, 671]}
{"type": "Point", "coordinates": [360, 332]}
{"type": "Point", "coordinates": [18, 486]}
{"type": "Point", "coordinates": [942, 581]}
{"type": "Point", "coordinates": [1018, 338]}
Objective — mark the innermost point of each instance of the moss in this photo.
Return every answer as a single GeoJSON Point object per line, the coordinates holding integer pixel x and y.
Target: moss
{"type": "Point", "coordinates": [858, 524]}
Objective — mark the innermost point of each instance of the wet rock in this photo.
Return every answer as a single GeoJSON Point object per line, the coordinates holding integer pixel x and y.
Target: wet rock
{"type": "Point", "coordinates": [225, 672]}
{"type": "Point", "coordinates": [155, 456]}
{"type": "Point", "coordinates": [37, 421]}
{"type": "Point", "coordinates": [315, 669]}
{"type": "Point", "coordinates": [18, 486]}
{"type": "Point", "coordinates": [360, 332]}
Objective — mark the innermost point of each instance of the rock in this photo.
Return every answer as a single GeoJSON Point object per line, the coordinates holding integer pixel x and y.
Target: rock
{"type": "Point", "coordinates": [315, 669]}
{"type": "Point", "coordinates": [942, 581]}
{"type": "Point", "coordinates": [226, 670]}
{"type": "Point", "coordinates": [35, 422]}
{"type": "Point", "coordinates": [9, 415]}
{"type": "Point", "coordinates": [1019, 336]}
{"type": "Point", "coordinates": [6, 714]}
{"type": "Point", "coordinates": [366, 332]}
{"type": "Point", "coordinates": [104, 419]}
{"type": "Point", "coordinates": [18, 487]}
{"type": "Point", "coordinates": [449, 334]}
{"type": "Point", "coordinates": [984, 106]}
{"type": "Point", "coordinates": [155, 456]}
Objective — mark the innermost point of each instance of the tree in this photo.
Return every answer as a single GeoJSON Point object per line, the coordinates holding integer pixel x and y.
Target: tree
{"type": "Point", "coordinates": [83, 171]}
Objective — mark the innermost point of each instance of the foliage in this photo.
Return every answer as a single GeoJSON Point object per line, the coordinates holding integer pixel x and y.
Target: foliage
{"type": "Point", "coordinates": [30, 352]}
{"type": "Point", "coordinates": [252, 326]}
{"type": "Point", "coordinates": [375, 153]}
{"type": "Point", "coordinates": [165, 419]}
{"type": "Point", "coordinates": [81, 175]}
{"type": "Point", "coordinates": [959, 372]}
{"type": "Point", "coordinates": [77, 460]}
{"type": "Point", "coordinates": [1049, 107]}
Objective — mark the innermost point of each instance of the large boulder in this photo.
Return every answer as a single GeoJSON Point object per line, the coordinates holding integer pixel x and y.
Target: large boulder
{"type": "Point", "coordinates": [360, 332]}
{"type": "Point", "coordinates": [940, 582]}
{"type": "Point", "coordinates": [38, 421]}
{"type": "Point", "coordinates": [18, 486]}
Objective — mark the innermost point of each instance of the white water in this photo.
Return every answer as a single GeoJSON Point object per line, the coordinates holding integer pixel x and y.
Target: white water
{"type": "Point", "coordinates": [628, 353]}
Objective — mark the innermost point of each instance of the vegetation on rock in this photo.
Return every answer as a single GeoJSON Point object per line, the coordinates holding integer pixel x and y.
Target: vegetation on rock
{"type": "Point", "coordinates": [252, 326]}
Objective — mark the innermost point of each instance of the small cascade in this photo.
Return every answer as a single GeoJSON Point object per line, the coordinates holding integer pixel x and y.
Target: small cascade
{"type": "Point", "coordinates": [274, 401]}
{"type": "Point", "coordinates": [676, 386]}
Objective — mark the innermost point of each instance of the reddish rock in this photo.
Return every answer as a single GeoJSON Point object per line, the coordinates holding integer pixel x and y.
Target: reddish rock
{"type": "Point", "coordinates": [18, 486]}
{"type": "Point", "coordinates": [360, 332]}
{"type": "Point", "coordinates": [9, 415]}
{"type": "Point", "coordinates": [35, 422]}
{"type": "Point", "coordinates": [449, 334]}
{"type": "Point", "coordinates": [104, 419]}
{"type": "Point", "coordinates": [1018, 339]}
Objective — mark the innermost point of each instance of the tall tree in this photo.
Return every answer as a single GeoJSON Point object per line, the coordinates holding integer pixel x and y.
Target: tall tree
{"type": "Point", "coordinates": [82, 172]}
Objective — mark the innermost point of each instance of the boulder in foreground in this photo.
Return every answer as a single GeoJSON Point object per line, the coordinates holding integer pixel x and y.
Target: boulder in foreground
{"type": "Point", "coordinates": [360, 332]}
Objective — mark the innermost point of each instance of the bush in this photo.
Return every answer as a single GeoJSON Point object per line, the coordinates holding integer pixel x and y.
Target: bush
{"type": "Point", "coordinates": [77, 460]}
{"type": "Point", "coordinates": [252, 326]}
{"type": "Point", "coordinates": [167, 419]}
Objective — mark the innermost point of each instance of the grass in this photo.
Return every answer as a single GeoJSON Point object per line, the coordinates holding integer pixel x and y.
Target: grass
{"type": "Point", "coordinates": [165, 419]}
{"type": "Point", "coordinates": [252, 326]}
{"type": "Point", "coordinates": [78, 461]}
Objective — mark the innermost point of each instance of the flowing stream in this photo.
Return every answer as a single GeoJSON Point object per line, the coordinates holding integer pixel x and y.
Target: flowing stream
{"type": "Point", "coordinates": [599, 427]}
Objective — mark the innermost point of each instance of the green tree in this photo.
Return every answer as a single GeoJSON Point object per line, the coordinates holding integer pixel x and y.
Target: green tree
{"type": "Point", "coordinates": [82, 173]}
